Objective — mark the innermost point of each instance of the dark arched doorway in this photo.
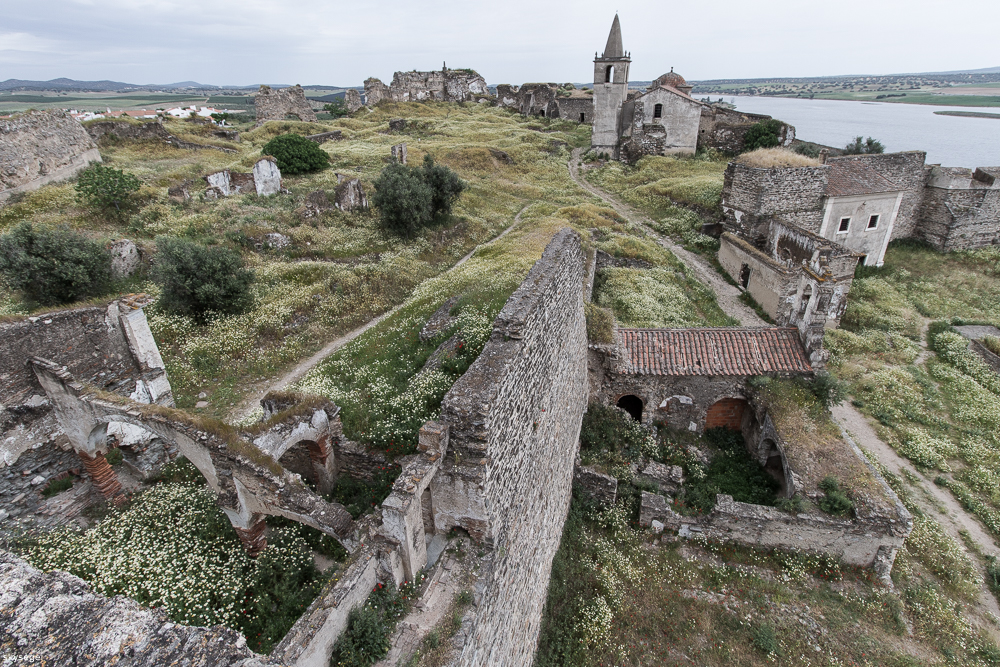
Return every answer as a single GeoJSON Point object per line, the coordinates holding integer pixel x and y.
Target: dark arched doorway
{"type": "Point", "coordinates": [775, 466]}
{"type": "Point", "coordinates": [632, 405]}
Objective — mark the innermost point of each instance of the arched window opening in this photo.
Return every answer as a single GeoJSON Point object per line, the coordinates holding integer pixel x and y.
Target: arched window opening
{"type": "Point", "coordinates": [658, 111]}
{"type": "Point", "coordinates": [744, 276]}
{"type": "Point", "coordinates": [632, 405]}
{"type": "Point", "coordinates": [583, 117]}
{"type": "Point", "coordinates": [609, 74]}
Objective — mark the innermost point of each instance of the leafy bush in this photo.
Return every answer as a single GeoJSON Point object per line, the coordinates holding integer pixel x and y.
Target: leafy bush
{"type": "Point", "coordinates": [198, 281]}
{"type": "Point", "coordinates": [732, 471]}
{"type": "Point", "coordinates": [828, 389]}
{"type": "Point", "coordinates": [764, 639]}
{"type": "Point", "coordinates": [404, 200]}
{"type": "Point", "coordinates": [600, 324]}
{"type": "Point", "coordinates": [861, 146]}
{"type": "Point", "coordinates": [359, 496]}
{"type": "Point", "coordinates": [57, 486]}
{"type": "Point", "coordinates": [991, 343]}
{"type": "Point", "coordinates": [807, 148]}
{"type": "Point", "coordinates": [337, 109]}
{"type": "Point", "coordinates": [106, 188]}
{"type": "Point", "coordinates": [296, 154]}
{"type": "Point", "coordinates": [446, 186]}
{"type": "Point", "coordinates": [835, 501]}
{"type": "Point", "coordinates": [408, 198]}
{"type": "Point", "coordinates": [764, 134]}
{"type": "Point", "coordinates": [53, 266]}
{"type": "Point", "coordinates": [610, 437]}
{"type": "Point", "coordinates": [366, 640]}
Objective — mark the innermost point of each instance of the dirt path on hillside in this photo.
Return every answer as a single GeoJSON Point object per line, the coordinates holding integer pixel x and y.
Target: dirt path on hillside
{"type": "Point", "coordinates": [727, 295]}
{"type": "Point", "coordinates": [935, 501]}
{"type": "Point", "coordinates": [252, 401]}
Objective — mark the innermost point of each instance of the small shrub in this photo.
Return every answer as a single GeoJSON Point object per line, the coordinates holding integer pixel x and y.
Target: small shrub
{"type": "Point", "coordinates": [114, 456]}
{"type": "Point", "coordinates": [808, 149]}
{"type": "Point", "coordinates": [107, 189]}
{"type": "Point", "coordinates": [991, 343]}
{"type": "Point", "coordinates": [337, 109]}
{"type": "Point", "coordinates": [732, 471]}
{"type": "Point", "coordinates": [793, 505]}
{"type": "Point", "coordinates": [296, 154]}
{"type": "Point", "coordinates": [764, 134]}
{"type": "Point", "coordinates": [446, 186]}
{"type": "Point", "coordinates": [764, 638]}
{"type": "Point", "coordinates": [57, 486]}
{"type": "Point", "coordinates": [404, 200]}
{"type": "Point", "coordinates": [835, 501]}
{"type": "Point", "coordinates": [198, 280]}
{"type": "Point", "coordinates": [366, 640]}
{"type": "Point", "coordinates": [610, 437]}
{"type": "Point", "coordinates": [828, 389]}
{"type": "Point", "coordinates": [600, 324]}
{"type": "Point", "coordinates": [53, 266]}
{"type": "Point", "coordinates": [358, 495]}
{"type": "Point", "coordinates": [861, 146]}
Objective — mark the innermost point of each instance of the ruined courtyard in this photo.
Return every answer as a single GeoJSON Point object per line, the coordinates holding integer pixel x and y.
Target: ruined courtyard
{"type": "Point", "coordinates": [638, 398]}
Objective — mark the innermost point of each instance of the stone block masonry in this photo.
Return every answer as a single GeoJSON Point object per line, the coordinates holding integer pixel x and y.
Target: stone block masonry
{"type": "Point", "coordinates": [40, 147]}
{"type": "Point", "coordinates": [514, 421]}
{"type": "Point", "coordinates": [445, 85]}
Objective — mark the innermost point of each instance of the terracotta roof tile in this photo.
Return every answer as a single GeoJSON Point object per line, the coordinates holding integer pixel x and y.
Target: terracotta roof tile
{"type": "Point", "coordinates": [713, 351]}
{"type": "Point", "coordinates": [853, 177]}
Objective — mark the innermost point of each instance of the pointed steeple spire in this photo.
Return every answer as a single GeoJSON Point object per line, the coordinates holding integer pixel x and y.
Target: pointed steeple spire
{"type": "Point", "coordinates": [614, 48]}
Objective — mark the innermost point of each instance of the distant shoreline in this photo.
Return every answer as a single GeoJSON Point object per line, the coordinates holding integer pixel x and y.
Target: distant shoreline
{"type": "Point", "coordinates": [969, 114]}
{"type": "Point", "coordinates": [987, 101]}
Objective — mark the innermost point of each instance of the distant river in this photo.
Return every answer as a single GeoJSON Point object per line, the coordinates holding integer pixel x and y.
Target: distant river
{"type": "Point", "coordinates": [949, 140]}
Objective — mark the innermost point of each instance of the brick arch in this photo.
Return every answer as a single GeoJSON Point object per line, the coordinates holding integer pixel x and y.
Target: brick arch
{"type": "Point", "coordinates": [726, 412]}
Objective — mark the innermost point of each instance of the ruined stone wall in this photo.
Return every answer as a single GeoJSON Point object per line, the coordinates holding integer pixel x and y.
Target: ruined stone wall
{"type": "Point", "coordinates": [795, 192]}
{"type": "Point", "coordinates": [514, 420]}
{"type": "Point", "coordinates": [445, 85]}
{"type": "Point", "coordinates": [276, 104]}
{"type": "Point", "coordinates": [55, 619]}
{"type": "Point", "coordinates": [681, 402]}
{"type": "Point", "coordinates": [960, 212]}
{"type": "Point", "coordinates": [725, 129]}
{"type": "Point", "coordinates": [39, 147]}
{"type": "Point", "coordinates": [769, 283]}
{"type": "Point", "coordinates": [906, 170]}
{"type": "Point", "coordinates": [675, 131]}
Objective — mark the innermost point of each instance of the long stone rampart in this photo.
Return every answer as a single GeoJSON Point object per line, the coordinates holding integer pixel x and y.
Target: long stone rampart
{"type": "Point", "coordinates": [39, 147]}
{"type": "Point", "coordinates": [514, 420]}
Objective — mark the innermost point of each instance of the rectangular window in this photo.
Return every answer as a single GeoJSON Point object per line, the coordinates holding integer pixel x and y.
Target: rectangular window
{"type": "Point", "coordinates": [845, 224]}
{"type": "Point", "coordinates": [873, 222]}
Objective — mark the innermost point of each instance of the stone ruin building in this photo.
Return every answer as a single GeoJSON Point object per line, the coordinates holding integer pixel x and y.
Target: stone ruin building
{"type": "Point", "coordinates": [280, 103]}
{"type": "Point", "coordinates": [499, 464]}
{"type": "Point", "coordinates": [664, 119]}
{"type": "Point", "coordinates": [446, 85]}
{"type": "Point", "coordinates": [264, 180]}
{"type": "Point", "coordinates": [793, 235]}
{"type": "Point", "coordinates": [39, 147]}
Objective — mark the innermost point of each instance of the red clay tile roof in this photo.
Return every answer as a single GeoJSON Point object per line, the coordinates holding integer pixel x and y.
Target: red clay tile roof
{"type": "Point", "coordinates": [713, 351]}
{"type": "Point", "coordinates": [853, 177]}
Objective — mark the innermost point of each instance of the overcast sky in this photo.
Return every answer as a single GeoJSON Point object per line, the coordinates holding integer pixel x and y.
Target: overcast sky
{"type": "Point", "coordinates": [245, 42]}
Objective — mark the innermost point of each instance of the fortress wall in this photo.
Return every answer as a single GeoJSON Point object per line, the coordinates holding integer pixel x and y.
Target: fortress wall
{"type": "Point", "coordinates": [514, 421]}
{"type": "Point", "coordinates": [39, 147]}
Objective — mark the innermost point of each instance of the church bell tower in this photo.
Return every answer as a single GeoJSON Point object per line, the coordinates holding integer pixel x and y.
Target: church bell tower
{"type": "Point", "coordinates": [610, 91]}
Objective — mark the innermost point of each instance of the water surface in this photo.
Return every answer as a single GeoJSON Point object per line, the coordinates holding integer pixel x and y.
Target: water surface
{"type": "Point", "coordinates": [953, 141]}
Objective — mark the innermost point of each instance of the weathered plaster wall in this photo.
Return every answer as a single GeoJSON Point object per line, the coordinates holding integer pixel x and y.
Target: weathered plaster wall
{"type": "Point", "coordinates": [906, 170]}
{"type": "Point", "coordinates": [514, 420]}
{"type": "Point", "coordinates": [859, 209]}
{"type": "Point", "coordinates": [675, 131]}
{"type": "Point", "coordinates": [277, 103]}
{"type": "Point", "coordinates": [39, 147]}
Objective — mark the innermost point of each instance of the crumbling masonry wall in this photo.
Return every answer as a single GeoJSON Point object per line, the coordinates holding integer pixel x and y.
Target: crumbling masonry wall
{"type": "Point", "coordinates": [275, 104]}
{"type": "Point", "coordinates": [961, 208]}
{"type": "Point", "coordinates": [445, 85]}
{"type": "Point", "coordinates": [751, 193]}
{"type": "Point", "coordinates": [514, 420]}
{"type": "Point", "coordinates": [39, 147]}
